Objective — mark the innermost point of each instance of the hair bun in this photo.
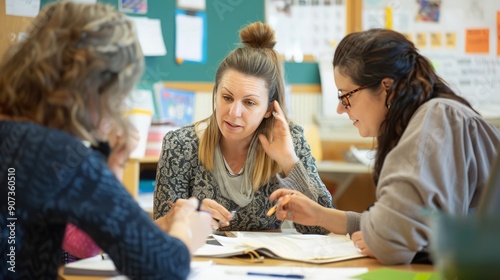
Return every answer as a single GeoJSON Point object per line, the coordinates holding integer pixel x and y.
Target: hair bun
{"type": "Point", "coordinates": [258, 35]}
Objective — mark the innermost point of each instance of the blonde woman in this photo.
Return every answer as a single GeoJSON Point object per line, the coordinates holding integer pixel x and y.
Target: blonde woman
{"type": "Point", "coordinates": [246, 149]}
{"type": "Point", "coordinates": [57, 88]}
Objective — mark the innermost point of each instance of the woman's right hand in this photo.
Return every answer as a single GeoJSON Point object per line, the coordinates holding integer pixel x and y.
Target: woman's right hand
{"type": "Point", "coordinates": [219, 213]}
{"type": "Point", "coordinates": [300, 209]}
{"type": "Point", "coordinates": [191, 226]}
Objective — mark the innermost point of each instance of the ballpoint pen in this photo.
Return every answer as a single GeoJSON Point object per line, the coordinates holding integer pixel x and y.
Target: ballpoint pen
{"type": "Point", "coordinates": [277, 275]}
{"type": "Point", "coordinates": [273, 209]}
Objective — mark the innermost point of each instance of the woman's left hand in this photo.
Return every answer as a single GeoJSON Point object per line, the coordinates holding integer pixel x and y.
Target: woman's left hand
{"type": "Point", "coordinates": [359, 242]}
{"type": "Point", "coordinates": [121, 149]}
{"type": "Point", "coordinates": [280, 145]}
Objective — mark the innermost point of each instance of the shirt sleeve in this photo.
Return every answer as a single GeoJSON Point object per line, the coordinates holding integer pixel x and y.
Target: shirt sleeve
{"type": "Point", "coordinates": [174, 172]}
{"type": "Point", "coordinates": [111, 217]}
{"type": "Point", "coordinates": [304, 177]}
{"type": "Point", "coordinates": [78, 243]}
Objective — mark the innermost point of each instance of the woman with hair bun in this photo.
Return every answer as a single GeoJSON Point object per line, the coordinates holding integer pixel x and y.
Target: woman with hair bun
{"type": "Point", "coordinates": [234, 159]}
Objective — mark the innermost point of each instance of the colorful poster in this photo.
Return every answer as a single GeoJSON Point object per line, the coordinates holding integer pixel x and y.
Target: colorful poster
{"type": "Point", "coordinates": [134, 6]}
{"type": "Point", "coordinates": [429, 10]}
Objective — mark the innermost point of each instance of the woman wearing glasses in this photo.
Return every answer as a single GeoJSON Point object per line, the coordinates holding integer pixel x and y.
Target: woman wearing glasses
{"type": "Point", "coordinates": [434, 151]}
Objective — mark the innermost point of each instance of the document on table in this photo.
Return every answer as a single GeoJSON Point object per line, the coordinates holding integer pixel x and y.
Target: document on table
{"type": "Point", "coordinates": [265, 272]}
{"type": "Point", "coordinates": [309, 248]}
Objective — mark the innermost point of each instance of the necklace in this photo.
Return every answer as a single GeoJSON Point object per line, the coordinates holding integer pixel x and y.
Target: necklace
{"type": "Point", "coordinates": [228, 169]}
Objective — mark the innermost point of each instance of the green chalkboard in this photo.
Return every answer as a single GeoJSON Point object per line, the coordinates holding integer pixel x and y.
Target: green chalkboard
{"type": "Point", "coordinates": [224, 20]}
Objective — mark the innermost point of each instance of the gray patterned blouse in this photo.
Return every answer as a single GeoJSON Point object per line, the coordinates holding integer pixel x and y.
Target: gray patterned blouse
{"type": "Point", "coordinates": [181, 175]}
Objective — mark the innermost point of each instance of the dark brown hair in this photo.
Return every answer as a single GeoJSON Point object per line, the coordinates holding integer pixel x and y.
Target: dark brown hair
{"type": "Point", "coordinates": [368, 57]}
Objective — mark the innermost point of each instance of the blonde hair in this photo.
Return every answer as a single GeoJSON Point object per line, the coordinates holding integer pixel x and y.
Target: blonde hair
{"type": "Point", "coordinates": [76, 57]}
{"type": "Point", "coordinates": [255, 58]}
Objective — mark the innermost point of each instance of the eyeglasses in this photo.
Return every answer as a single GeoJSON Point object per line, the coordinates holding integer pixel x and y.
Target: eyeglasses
{"type": "Point", "coordinates": [344, 98]}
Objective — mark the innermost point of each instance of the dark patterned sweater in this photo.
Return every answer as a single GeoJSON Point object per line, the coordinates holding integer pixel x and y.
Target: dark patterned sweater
{"type": "Point", "coordinates": [49, 178]}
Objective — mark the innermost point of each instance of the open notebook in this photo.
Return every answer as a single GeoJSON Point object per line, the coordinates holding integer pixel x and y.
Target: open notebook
{"type": "Point", "coordinates": [308, 248]}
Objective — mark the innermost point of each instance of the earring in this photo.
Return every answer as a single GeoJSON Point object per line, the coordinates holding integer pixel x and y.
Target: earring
{"type": "Point", "coordinates": [388, 106]}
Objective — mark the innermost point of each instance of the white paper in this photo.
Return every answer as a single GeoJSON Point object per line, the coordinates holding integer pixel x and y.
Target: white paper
{"type": "Point", "coordinates": [23, 8]}
{"type": "Point", "coordinates": [192, 4]}
{"type": "Point", "coordinates": [91, 266]}
{"type": "Point", "coordinates": [234, 272]}
{"type": "Point", "coordinates": [189, 37]}
{"type": "Point", "coordinates": [150, 36]}
{"type": "Point", "coordinates": [209, 250]}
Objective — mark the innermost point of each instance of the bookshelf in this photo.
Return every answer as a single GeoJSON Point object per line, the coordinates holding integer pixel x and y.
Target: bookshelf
{"type": "Point", "coordinates": [131, 174]}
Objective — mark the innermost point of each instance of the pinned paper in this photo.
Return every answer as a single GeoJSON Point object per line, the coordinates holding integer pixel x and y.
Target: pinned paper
{"type": "Point", "coordinates": [23, 8]}
{"type": "Point", "coordinates": [498, 33]}
{"type": "Point", "coordinates": [436, 40]}
{"type": "Point", "coordinates": [388, 17]}
{"type": "Point", "coordinates": [190, 36]}
{"type": "Point", "coordinates": [477, 40]}
{"type": "Point", "coordinates": [421, 40]}
{"type": "Point", "coordinates": [451, 40]}
{"type": "Point", "coordinates": [150, 36]}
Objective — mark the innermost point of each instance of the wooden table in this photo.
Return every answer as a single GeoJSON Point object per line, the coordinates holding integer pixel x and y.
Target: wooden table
{"type": "Point", "coordinates": [369, 263]}
{"type": "Point", "coordinates": [341, 172]}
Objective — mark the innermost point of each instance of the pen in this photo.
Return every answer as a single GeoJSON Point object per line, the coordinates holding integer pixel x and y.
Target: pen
{"type": "Point", "coordinates": [198, 208]}
{"type": "Point", "coordinates": [278, 275]}
{"type": "Point", "coordinates": [273, 209]}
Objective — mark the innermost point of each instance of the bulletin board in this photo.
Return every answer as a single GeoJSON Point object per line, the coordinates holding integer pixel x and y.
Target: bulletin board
{"type": "Point", "coordinates": [461, 37]}
{"type": "Point", "coordinates": [224, 20]}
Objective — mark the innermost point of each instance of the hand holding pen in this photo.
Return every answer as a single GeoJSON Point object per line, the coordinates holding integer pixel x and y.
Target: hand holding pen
{"type": "Point", "coordinates": [220, 215]}
{"type": "Point", "coordinates": [295, 206]}
{"type": "Point", "coordinates": [191, 225]}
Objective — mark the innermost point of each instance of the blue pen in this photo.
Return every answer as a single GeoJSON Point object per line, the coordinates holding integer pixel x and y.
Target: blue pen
{"type": "Point", "coordinates": [278, 275]}
{"type": "Point", "coordinates": [291, 276]}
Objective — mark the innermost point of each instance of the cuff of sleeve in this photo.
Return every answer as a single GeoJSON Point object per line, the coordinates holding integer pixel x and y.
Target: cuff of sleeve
{"type": "Point", "coordinates": [353, 220]}
{"type": "Point", "coordinates": [297, 180]}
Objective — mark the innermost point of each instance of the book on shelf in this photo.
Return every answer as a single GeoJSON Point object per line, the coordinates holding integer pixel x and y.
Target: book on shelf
{"type": "Point", "coordinates": [308, 248]}
{"type": "Point", "coordinates": [173, 106]}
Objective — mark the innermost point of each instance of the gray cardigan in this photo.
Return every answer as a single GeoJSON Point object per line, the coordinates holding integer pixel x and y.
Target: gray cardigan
{"type": "Point", "coordinates": [441, 162]}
